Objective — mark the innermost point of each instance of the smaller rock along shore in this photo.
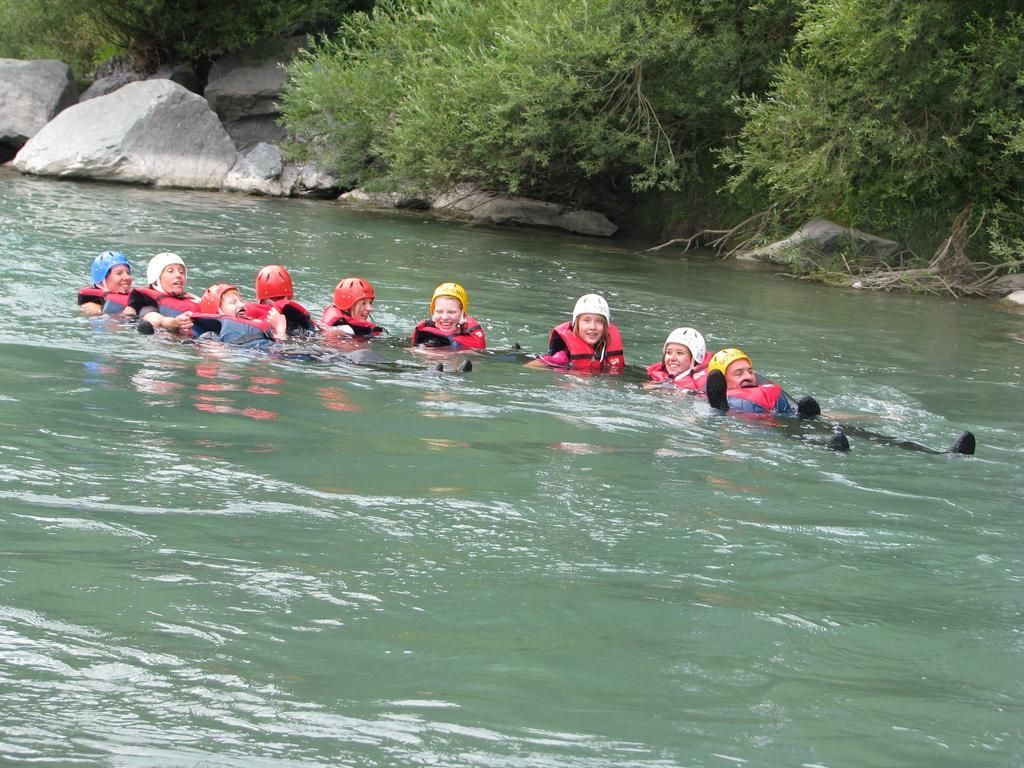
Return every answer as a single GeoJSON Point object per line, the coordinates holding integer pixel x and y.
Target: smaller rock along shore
{"type": "Point", "coordinates": [159, 130]}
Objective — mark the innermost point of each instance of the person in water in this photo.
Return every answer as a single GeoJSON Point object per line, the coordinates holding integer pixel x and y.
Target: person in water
{"type": "Point", "coordinates": [222, 316]}
{"type": "Point", "coordinates": [350, 312]}
{"type": "Point", "coordinates": [587, 342]}
{"type": "Point", "coordinates": [274, 290]}
{"type": "Point", "coordinates": [111, 286]}
{"type": "Point", "coordinates": [165, 303]}
{"type": "Point", "coordinates": [732, 384]}
{"type": "Point", "coordinates": [684, 361]}
{"type": "Point", "coordinates": [449, 324]}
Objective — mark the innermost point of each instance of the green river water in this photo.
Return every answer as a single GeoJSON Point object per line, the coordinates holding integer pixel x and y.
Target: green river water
{"type": "Point", "coordinates": [216, 557]}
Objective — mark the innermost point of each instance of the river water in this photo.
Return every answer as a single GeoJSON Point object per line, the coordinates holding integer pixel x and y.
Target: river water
{"type": "Point", "coordinates": [225, 558]}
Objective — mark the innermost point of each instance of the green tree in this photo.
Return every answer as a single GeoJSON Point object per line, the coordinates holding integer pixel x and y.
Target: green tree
{"type": "Point", "coordinates": [895, 116]}
{"type": "Point", "coordinates": [153, 32]}
{"type": "Point", "coordinates": [564, 101]}
{"type": "Point", "coordinates": [50, 29]}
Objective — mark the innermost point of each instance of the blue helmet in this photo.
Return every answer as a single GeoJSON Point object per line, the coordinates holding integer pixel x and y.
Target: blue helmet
{"type": "Point", "coordinates": [105, 262]}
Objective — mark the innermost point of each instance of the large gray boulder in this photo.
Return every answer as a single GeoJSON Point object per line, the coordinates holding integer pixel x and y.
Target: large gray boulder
{"type": "Point", "coordinates": [31, 93]}
{"type": "Point", "coordinates": [466, 201]}
{"type": "Point", "coordinates": [149, 132]}
{"type": "Point", "coordinates": [243, 89]}
{"type": "Point", "coordinates": [822, 238]}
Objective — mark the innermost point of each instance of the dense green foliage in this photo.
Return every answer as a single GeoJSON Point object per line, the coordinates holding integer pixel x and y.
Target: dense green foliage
{"type": "Point", "coordinates": [155, 30]}
{"type": "Point", "coordinates": [84, 32]}
{"type": "Point", "coordinates": [51, 29]}
{"type": "Point", "coordinates": [565, 100]}
{"type": "Point", "coordinates": [894, 116]}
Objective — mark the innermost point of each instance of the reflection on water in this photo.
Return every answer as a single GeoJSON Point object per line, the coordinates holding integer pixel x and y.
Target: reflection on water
{"type": "Point", "coordinates": [217, 556]}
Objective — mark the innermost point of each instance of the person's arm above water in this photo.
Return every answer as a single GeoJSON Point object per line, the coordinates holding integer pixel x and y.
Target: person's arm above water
{"type": "Point", "coordinates": [178, 324]}
{"type": "Point", "coordinates": [559, 359]}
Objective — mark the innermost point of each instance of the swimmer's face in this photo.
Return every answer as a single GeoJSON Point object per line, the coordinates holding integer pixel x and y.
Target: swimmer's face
{"type": "Point", "coordinates": [740, 373]}
{"type": "Point", "coordinates": [361, 309]}
{"type": "Point", "coordinates": [118, 279]}
{"type": "Point", "coordinates": [590, 327]}
{"type": "Point", "coordinates": [231, 304]}
{"type": "Point", "coordinates": [447, 314]}
{"type": "Point", "coordinates": [677, 358]}
{"type": "Point", "coordinates": [172, 279]}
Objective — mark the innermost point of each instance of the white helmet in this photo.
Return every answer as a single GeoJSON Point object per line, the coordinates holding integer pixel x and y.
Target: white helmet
{"type": "Point", "coordinates": [690, 339]}
{"type": "Point", "coordinates": [158, 264]}
{"type": "Point", "coordinates": [591, 304]}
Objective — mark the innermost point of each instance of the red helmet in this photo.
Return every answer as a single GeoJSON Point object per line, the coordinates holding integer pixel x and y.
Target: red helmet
{"type": "Point", "coordinates": [273, 282]}
{"type": "Point", "coordinates": [210, 303]}
{"type": "Point", "coordinates": [350, 290]}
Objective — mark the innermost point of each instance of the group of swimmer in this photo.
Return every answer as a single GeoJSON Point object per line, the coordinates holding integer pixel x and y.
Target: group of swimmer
{"type": "Point", "coordinates": [588, 342]}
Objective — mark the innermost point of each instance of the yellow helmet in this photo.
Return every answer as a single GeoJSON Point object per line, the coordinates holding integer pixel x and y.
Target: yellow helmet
{"type": "Point", "coordinates": [452, 291]}
{"type": "Point", "coordinates": [723, 358]}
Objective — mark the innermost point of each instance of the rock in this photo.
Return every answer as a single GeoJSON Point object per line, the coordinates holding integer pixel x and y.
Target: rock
{"type": "Point", "coordinates": [148, 132]}
{"type": "Point", "coordinates": [113, 66]}
{"type": "Point", "coordinates": [386, 199]}
{"type": "Point", "coordinates": [311, 181]}
{"type": "Point", "coordinates": [260, 170]}
{"type": "Point", "coordinates": [104, 85]}
{"type": "Point", "coordinates": [243, 89]}
{"type": "Point", "coordinates": [31, 94]}
{"type": "Point", "coordinates": [182, 74]}
{"type": "Point", "coordinates": [1017, 297]}
{"type": "Point", "coordinates": [1007, 284]}
{"type": "Point", "coordinates": [478, 205]}
{"type": "Point", "coordinates": [257, 172]}
{"type": "Point", "coordinates": [819, 237]}
{"type": "Point", "coordinates": [117, 71]}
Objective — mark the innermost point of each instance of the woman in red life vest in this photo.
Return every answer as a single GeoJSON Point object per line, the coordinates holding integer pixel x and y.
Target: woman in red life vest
{"type": "Point", "coordinates": [684, 361]}
{"type": "Point", "coordinates": [111, 285]}
{"type": "Point", "coordinates": [222, 316]}
{"type": "Point", "coordinates": [274, 290]}
{"type": "Point", "coordinates": [165, 303]}
{"type": "Point", "coordinates": [350, 312]}
{"type": "Point", "coordinates": [588, 342]}
{"type": "Point", "coordinates": [449, 324]}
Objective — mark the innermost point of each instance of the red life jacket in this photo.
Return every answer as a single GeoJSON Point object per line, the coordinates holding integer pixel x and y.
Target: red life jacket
{"type": "Point", "coordinates": [111, 303]}
{"type": "Point", "coordinates": [334, 316]}
{"type": "Point", "coordinates": [767, 397]}
{"type": "Point", "coordinates": [296, 315]}
{"type": "Point", "coordinates": [582, 356]}
{"type": "Point", "coordinates": [695, 379]}
{"type": "Point", "coordinates": [167, 305]}
{"type": "Point", "coordinates": [231, 330]}
{"type": "Point", "coordinates": [470, 335]}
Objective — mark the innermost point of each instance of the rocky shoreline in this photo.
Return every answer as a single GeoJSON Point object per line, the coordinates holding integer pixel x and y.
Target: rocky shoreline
{"type": "Point", "coordinates": [169, 129]}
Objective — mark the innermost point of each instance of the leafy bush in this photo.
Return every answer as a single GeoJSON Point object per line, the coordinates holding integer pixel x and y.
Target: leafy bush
{"type": "Point", "coordinates": [561, 100]}
{"type": "Point", "coordinates": [51, 29]}
{"type": "Point", "coordinates": [155, 31]}
{"type": "Point", "coordinates": [84, 32]}
{"type": "Point", "coordinates": [894, 116]}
